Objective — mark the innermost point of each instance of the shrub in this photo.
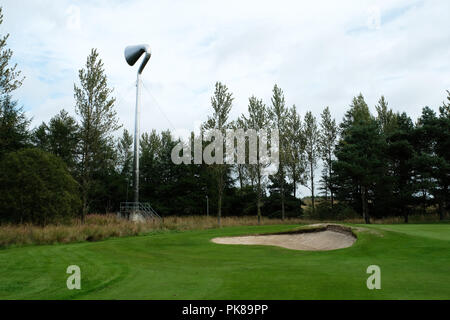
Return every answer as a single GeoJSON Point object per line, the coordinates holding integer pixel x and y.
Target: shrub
{"type": "Point", "coordinates": [323, 211]}
{"type": "Point", "coordinates": [35, 187]}
{"type": "Point", "coordinates": [100, 227]}
{"type": "Point", "coordinates": [272, 206]}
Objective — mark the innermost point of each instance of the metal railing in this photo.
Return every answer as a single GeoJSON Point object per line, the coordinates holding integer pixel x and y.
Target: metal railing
{"type": "Point", "coordinates": [142, 208]}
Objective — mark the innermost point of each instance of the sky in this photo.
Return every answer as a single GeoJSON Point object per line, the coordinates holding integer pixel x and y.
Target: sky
{"type": "Point", "coordinates": [321, 53]}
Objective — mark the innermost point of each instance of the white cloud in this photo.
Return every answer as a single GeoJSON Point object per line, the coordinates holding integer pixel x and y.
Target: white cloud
{"type": "Point", "coordinates": [320, 53]}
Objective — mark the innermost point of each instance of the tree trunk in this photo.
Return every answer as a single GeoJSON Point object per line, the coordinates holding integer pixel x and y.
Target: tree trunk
{"type": "Point", "coordinates": [258, 198]}
{"type": "Point", "coordinates": [282, 193]}
{"type": "Point", "coordinates": [365, 205]}
{"type": "Point", "coordinates": [445, 202]}
{"type": "Point", "coordinates": [424, 202]}
{"type": "Point", "coordinates": [312, 188]}
{"type": "Point", "coordinates": [258, 204]}
{"type": "Point", "coordinates": [440, 210]}
{"type": "Point", "coordinates": [330, 185]}
{"type": "Point", "coordinates": [240, 176]}
{"type": "Point", "coordinates": [220, 187]}
{"type": "Point", "coordinates": [85, 203]}
{"type": "Point", "coordinates": [219, 209]}
{"type": "Point", "coordinates": [84, 184]}
{"type": "Point", "coordinates": [294, 181]}
{"type": "Point", "coordinates": [332, 200]}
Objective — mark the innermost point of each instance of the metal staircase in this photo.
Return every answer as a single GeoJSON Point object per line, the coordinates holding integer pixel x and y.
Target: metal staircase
{"type": "Point", "coordinates": [142, 209]}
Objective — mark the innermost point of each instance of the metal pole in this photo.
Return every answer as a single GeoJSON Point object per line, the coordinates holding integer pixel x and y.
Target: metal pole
{"type": "Point", "coordinates": [207, 206]}
{"type": "Point", "coordinates": [136, 139]}
{"type": "Point", "coordinates": [132, 55]}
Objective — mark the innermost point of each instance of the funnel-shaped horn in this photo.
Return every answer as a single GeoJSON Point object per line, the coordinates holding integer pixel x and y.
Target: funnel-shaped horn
{"type": "Point", "coordinates": [133, 53]}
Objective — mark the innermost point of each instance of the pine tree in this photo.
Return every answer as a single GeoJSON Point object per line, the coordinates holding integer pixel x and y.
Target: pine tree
{"type": "Point", "coordinates": [14, 125]}
{"type": "Point", "coordinates": [443, 151]}
{"type": "Point", "coordinates": [39, 137]}
{"type": "Point", "coordinates": [432, 160]}
{"type": "Point", "coordinates": [385, 116]}
{"type": "Point", "coordinates": [360, 157]}
{"type": "Point", "coordinates": [358, 112]}
{"type": "Point", "coordinates": [400, 152]}
{"type": "Point", "coordinates": [382, 194]}
{"type": "Point", "coordinates": [60, 137]}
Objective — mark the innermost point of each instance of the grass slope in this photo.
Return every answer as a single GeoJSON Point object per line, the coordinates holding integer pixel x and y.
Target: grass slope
{"type": "Point", "coordinates": [414, 261]}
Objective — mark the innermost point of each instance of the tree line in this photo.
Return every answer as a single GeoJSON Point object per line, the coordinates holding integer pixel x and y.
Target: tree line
{"type": "Point", "coordinates": [373, 165]}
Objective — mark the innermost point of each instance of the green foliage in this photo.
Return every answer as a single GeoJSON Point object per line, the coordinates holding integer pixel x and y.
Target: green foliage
{"type": "Point", "coordinates": [221, 101]}
{"type": "Point", "coordinates": [10, 78]}
{"type": "Point", "coordinates": [14, 124]}
{"type": "Point", "coordinates": [98, 120]}
{"type": "Point", "coordinates": [125, 154]}
{"type": "Point", "coordinates": [172, 190]}
{"type": "Point", "coordinates": [432, 160]}
{"type": "Point", "coordinates": [36, 187]}
{"type": "Point", "coordinates": [400, 151]}
{"type": "Point", "coordinates": [292, 205]}
{"type": "Point", "coordinates": [391, 166]}
{"type": "Point", "coordinates": [258, 119]}
{"type": "Point", "coordinates": [385, 117]}
{"type": "Point", "coordinates": [327, 145]}
{"type": "Point", "coordinates": [360, 158]}
{"type": "Point", "coordinates": [385, 164]}
{"type": "Point", "coordinates": [295, 149]}
{"type": "Point", "coordinates": [60, 137]}
{"type": "Point", "coordinates": [358, 113]}
{"type": "Point", "coordinates": [324, 211]}
{"type": "Point", "coordinates": [312, 149]}
{"type": "Point", "coordinates": [279, 114]}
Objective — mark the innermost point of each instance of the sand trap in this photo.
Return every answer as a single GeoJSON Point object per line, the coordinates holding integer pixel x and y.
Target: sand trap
{"type": "Point", "coordinates": [330, 238]}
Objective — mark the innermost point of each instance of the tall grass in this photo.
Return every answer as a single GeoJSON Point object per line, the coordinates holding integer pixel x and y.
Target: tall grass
{"type": "Point", "coordinates": [99, 227]}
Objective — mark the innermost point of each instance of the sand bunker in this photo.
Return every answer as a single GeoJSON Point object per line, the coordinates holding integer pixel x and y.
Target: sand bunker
{"type": "Point", "coordinates": [327, 237]}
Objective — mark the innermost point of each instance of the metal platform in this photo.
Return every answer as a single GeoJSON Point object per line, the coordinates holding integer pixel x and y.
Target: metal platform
{"type": "Point", "coordinates": [138, 211]}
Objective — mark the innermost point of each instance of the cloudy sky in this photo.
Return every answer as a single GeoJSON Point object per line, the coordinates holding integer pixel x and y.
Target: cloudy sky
{"type": "Point", "coordinates": [320, 53]}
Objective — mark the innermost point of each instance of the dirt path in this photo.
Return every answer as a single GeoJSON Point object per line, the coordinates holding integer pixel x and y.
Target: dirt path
{"type": "Point", "coordinates": [312, 241]}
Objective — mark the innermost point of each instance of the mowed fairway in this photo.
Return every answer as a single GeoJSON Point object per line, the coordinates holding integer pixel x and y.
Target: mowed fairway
{"type": "Point", "coordinates": [414, 261]}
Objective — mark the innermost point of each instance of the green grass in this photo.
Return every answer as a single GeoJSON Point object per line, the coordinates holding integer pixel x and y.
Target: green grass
{"type": "Point", "coordinates": [414, 261]}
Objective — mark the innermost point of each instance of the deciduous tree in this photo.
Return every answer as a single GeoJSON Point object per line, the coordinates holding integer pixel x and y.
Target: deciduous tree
{"type": "Point", "coordinates": [327, 141]}
{"type": "Point", "coordinates": [279, 114]}
{"type": "Point", "coordinates": [221, 101]}
{"type": "Point", "coordinates": [312, 150]}
{"type": "Point", "coordinates": [98, 120]}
